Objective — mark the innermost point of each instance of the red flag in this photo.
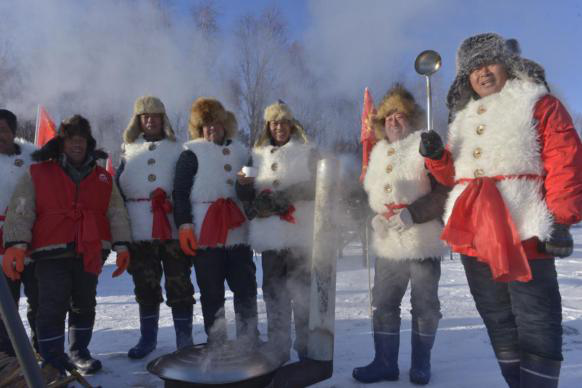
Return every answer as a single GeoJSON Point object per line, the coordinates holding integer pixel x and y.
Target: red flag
{"type": "Point", "coordinates": [45, 127]}
{"type": "Point", "coordinates": [367, 137]}
{"type": "Point", "coordinates": [109, 166]}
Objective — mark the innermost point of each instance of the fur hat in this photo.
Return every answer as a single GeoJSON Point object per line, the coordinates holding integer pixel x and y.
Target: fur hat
{"type": "Point", "coordinates": [10, 119]}
{"type": "Point", "coordinates": [72, 126]}
{"type": "Point", "coordinates": [207, 110]}
{"type": "Point", "coordinates": [277, 112]}
{"type": "Point", "coordinates": [397, 99]}
{"type": "Point", "coordinates": [151, 105]}
{"type": "Point", "coordinates": [483, 49]}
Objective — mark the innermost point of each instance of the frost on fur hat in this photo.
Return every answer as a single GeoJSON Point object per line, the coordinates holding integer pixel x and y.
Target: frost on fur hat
{"type": "Point", "coordinates": [150, 105]}
{"type": "Point", "coordinates": [397, 99]}
{"type": "Point", "coordinates": [277, 112]}
{"type": "Point", "coordinates": [207, 110]}
{"type": "Point", "coordinates": [484, 49]}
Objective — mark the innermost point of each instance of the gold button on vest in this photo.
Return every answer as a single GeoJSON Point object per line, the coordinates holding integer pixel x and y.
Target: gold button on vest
{"type": "Point", "coordinates": [151, 161]}
{"type": "Point", "coordinates": [480, 129]}
{"type": "Point", "coordinates": [18, 162]}
{"type": "Point", "coordinates": [389, 168]}
{"type": "Point", "coordinates": [276, 183]}
{"type": "Point", "coordinates": [481, 109]}
{"type": "Point", "coordinates": [388, 188]}
{"type": "Point", "coordinates": [274, 166]}
{"type": "Point", "coordinates": [477, 153]}
{"type": "Point", "coordinates": [225, 151]}
{"type": "Point", "coordinates": [479, 173]}
{"type": "Point", "coordinates": [391, 151]}
{"type": "Point", "coordinates": [151, 178]}
{"type": "Point", "coordinates": [152, 147]}
{"type": "Point", "coordinates": [227, 167]}
{"type": "Point", "coordinates": [229, 181]}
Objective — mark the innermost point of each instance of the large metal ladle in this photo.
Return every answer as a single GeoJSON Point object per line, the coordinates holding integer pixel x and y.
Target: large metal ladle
{"type": "Point", "coordinates": [427, 63]}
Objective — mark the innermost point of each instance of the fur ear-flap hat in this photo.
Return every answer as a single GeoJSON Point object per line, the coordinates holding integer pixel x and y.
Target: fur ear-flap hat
{"type": "Point", "coordinates": [397, 99]}
{"type": "Point", "coordinates": [277, 112]}
{"type": "Point", "coordinates": [484, 49]}
{"type": "Point", "coordinates": [206, 111]}
{"type": "Point", "coordinates": [151, 105]}
{"type": "Point", "coordinates": [74, 125]}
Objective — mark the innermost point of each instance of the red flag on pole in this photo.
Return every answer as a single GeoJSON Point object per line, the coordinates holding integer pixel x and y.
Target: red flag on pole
{"type": "Point", "coordinates": [367, 137]}
{"type": "Point", "coordinates": [45, 127]}
{"type": "Point", "coordinates": [109, 167]}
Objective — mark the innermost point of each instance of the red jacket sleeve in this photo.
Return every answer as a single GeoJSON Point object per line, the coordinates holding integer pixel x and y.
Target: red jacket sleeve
{"type": "Point", "coordinates": [443, 169]}
{"type": "Point", "coordinates": [562, 160]}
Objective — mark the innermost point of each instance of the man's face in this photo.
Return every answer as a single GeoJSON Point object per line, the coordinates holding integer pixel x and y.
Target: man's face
{"type": "Point", "coordinates": [151, 124]}
{"type": "Point", "coordinates": [6, 138]}
{"type": "Point", "coordinates": [488, 79]}
{"type": "Point", "coordinates": [396, 126]}
{"type": "Point", "coordinates": [75, 148]}
{"type": "Point", "coordinates": [213, 132]}
{"type": "Point", "coordinates": [280, 131]}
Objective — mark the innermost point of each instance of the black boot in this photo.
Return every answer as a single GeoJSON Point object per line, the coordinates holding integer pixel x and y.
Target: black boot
{"type": "Point", "coordinates": [183, 325]}
{"type": "Point", "coordinates": [80, 357]}
{"type": "Point", "coordinates": [148, 320]}
{"type": "Point", "coordinates": [51, 344]}
{"type": "Point", "coordinates": [385, 363]}
{"type": "Point", "coordinates": [422, 340]}
{"type": "Point", "coordinates": [539, 372]}
{"type": "Point", "coordinates": [509, 362]}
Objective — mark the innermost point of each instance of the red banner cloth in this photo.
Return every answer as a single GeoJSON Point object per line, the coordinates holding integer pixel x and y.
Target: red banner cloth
{"type": "Point", "coordinates": [46, 128]}
{"type": "Point", "coordinates": [222, 215]}
{"type": "Point", "coordinates": [481, 225]}
{"type": "Point", "coordinates": [161, 206]}
{"type": "Point", "coordinates": [391, 207]}
{"type": "Point", "coordinates": [367, 136]}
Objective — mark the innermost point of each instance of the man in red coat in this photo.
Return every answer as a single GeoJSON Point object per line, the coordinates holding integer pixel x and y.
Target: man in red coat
{"type": "Point", "coordinates": [513, 160]}
{"type": "Point", "coordinates": [67, 213]}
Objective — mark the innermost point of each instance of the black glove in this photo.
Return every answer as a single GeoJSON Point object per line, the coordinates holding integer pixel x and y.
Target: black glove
{"type": "Point", "coordinates": [280, 202]}
{"type": "Point", "coordinates": [560, 242]}
{"type": "Point", "coordinates": [263, 204]}
{"type": "Point", "coordinates": [431, 145]}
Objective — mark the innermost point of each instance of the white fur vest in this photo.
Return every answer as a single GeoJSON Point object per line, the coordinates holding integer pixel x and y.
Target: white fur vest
{"type": "Point", "coordinates": [215, 178]}
{"type": "Point", "coordinates": [280, 168]}
{"type": "Point", "coordinates": [498, 136]}
{"type": "Point", "coordinates": [13, 167]}
{"type": "Point", "coordinates": [396, 175]}
{"type": "Point", "coordinates": [148, 165]}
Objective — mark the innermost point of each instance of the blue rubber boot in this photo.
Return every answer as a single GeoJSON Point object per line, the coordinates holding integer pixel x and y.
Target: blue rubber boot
{"type": "Point", "coordinates": [183, 325]}
{"type": "Point", "coordinates": [385, 363]}
{"type": "Point", "coordinates": [148, 317]}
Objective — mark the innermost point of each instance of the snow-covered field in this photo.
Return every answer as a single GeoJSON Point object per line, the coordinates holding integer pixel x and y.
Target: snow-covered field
{"type": "Point", "coordinates": [462, 356]}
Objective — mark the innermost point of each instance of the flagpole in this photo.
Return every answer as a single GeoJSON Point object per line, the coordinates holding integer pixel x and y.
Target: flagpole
{"type": "Point", "coordinates": [37, 123]}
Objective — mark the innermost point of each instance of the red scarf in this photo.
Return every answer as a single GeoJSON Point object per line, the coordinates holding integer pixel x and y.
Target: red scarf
{"type": "Point", "coordinates": [481, 225]}
{"type": "Point", "coordinates": [222, 215]}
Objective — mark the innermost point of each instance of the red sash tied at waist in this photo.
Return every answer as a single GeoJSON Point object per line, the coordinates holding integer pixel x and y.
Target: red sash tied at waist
{"type": "Point", "coordinates": [87, 238]}
{"type": "Point", "coordinates": [221, 216]}
{"type": "Point", "coordinates": [391, 207]}
{"type": "Point", "coordinates": [160, 207]}
{"type": "Point", "coordinates": [481, 225]}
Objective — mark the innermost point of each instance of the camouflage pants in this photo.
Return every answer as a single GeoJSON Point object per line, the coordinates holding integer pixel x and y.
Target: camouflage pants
{"type": "Point", "coordinates": [151, 259]}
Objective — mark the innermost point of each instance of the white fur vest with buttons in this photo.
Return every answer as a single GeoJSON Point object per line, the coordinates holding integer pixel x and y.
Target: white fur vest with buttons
{"type": "Point", "coordinates": [215, 178]}
{"type": "Point", "coordinates": [497, 136]}
{"type": "Point", "coordinates": [396, 175]}
{"type": "Point", "coordinates": [13, 167]}
{"type": "Point", "coordinates": [148, 165]}
{"type": "Point", "coordinates": [280, 168]}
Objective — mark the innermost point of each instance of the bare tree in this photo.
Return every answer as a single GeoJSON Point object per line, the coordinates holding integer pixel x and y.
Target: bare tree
{"type": "Point", "coordinates": [260, 42]}
{"type": "Point", "coordinates": [205, 15]}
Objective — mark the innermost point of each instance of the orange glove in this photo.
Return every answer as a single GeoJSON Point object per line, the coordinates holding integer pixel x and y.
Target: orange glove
{"type": "Point", "coordinates": [122, 263]}
{"type": "Point", "coordinates": [188, 241]}
{"type": "Point", "coordinates": [13, 262]}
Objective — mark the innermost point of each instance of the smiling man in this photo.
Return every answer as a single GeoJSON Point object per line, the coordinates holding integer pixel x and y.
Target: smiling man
{"type": "Point", "coordinates": [513, 159]}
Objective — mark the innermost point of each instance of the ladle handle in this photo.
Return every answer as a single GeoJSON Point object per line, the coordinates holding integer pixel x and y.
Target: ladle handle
{"type": "Point", "coordinates": [429, 124]}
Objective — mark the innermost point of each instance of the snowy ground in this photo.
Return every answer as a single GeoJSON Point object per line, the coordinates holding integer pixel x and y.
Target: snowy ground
{"type": "Point", "coordinates": [462, 356]}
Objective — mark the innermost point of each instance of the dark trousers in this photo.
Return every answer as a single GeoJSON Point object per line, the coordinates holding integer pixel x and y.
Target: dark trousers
{"type": "Point", "coordinates": [28, 280]}
{"type": "Point", "coordinates": [286, 289]}
{"type": "Point", "coordinates": [151, 259]}
{"type": "Point", "coordinates": [390, 283]}
{"type": "Point", "coordinates": [519, 316]}
{"type": "Point", "coordinates": [235, 265]}
{"type": "Point", "coordinates": [64, 286]}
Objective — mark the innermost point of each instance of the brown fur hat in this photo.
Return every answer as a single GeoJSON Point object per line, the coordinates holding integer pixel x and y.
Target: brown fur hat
{"type": "Point", "coordinates": [207, 110]}
{"type": "Point", "coordinates": [277, 112]}
{"type": "Point", "coordinates": [151, 105]}
{"type": "Point", "coordinates": [397, 99]}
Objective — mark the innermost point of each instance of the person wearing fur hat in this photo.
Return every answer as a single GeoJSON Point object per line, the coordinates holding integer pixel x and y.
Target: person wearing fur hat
{"type": "Point", "coordinates": [408, 203]}
{"type": "Point", "coordinates": [15, 158]}
{"type": "Point", "coordinates": [67, 213]}
{"type": "Point", "coordinates": [513, 161]}
{"type": "Point", "coordinates": [145, 177]}
{"type": "Point", "coordinates": [213, 228]}
{"type": "Point", "coordinates": [279, 201]}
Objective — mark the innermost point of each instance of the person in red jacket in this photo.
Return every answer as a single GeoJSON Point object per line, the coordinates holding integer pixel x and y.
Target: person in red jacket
{"type": "Point", "coordinates": [67, 213]}
{"type": "Point", "coordinates": [513, 160]}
